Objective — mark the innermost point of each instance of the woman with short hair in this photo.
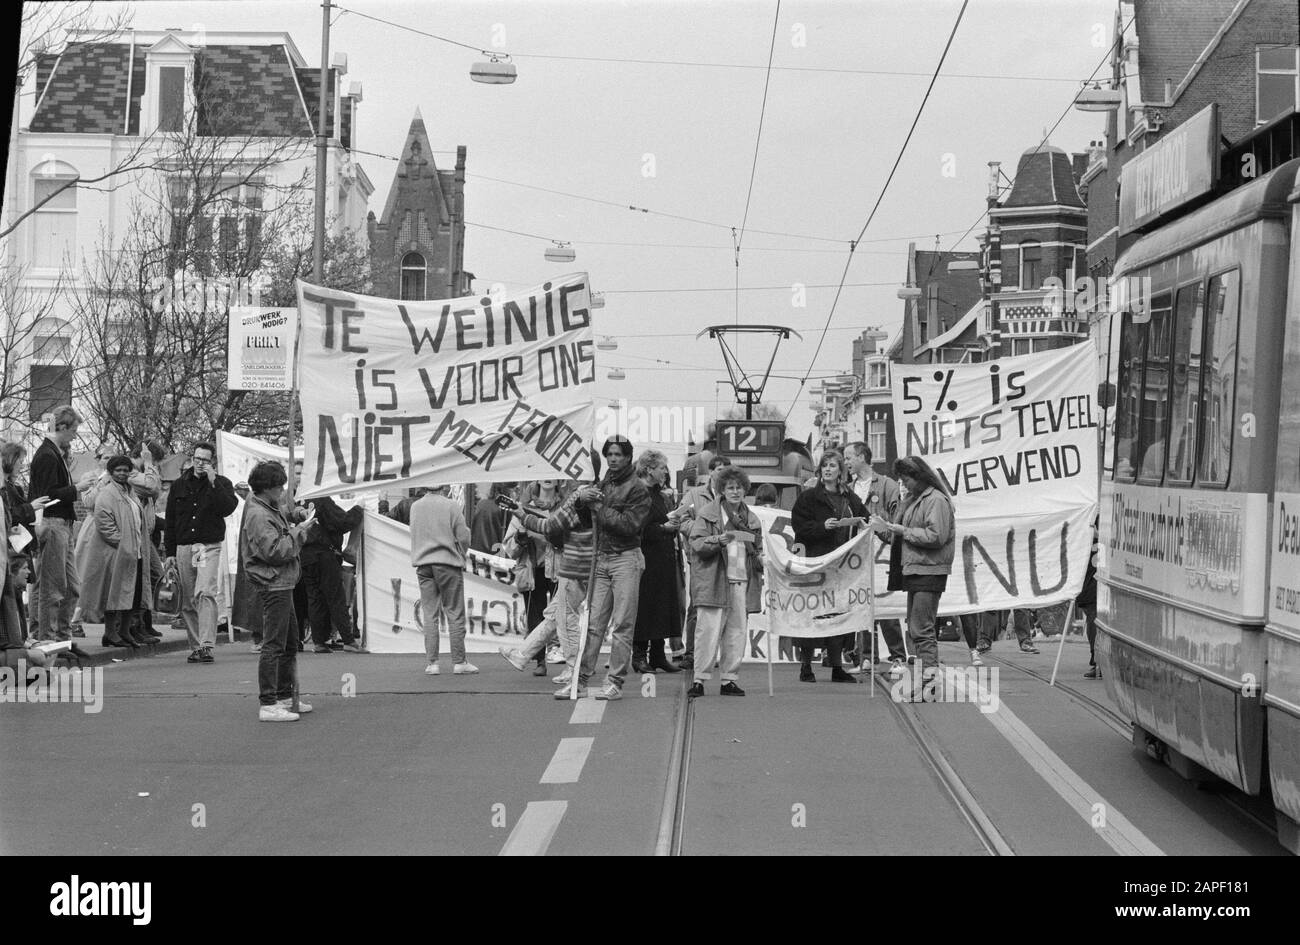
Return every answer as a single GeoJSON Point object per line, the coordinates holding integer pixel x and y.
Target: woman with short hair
{"type": "Point", "coordinates": [726, 579]}
{"type": "Point", "coordinates": [926, 532]}
{"type": "Point", "coordinates": [823, 519]}
{"type": "Point", "coordinates": [111, 557]}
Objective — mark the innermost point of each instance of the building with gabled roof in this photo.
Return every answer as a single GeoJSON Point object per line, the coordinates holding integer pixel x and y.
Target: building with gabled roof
{"type": "Point", "coordinates": [101, 99]}
{"type": "Point", "coordinates": [417, 246]}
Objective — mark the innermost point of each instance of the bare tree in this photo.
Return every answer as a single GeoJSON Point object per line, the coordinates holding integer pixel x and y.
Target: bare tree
{"type": "Point", "coordinates": [24, 311]}
{"type": "Point", "coordinates": [153, 317]}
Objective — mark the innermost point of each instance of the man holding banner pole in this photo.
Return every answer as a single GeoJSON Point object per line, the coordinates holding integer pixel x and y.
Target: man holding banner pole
{"type": "Point", "coordinates": [880, 495]}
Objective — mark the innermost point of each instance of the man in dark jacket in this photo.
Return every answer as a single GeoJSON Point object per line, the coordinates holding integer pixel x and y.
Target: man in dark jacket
{"type": "Point", "coordinates": [620, 506]}
{"type": "Point", "coordinates": [323, 576]}
{"type": "Point", "coordinates": [57, 586]}
{"type": "Point", "coordinates": [197, 507]}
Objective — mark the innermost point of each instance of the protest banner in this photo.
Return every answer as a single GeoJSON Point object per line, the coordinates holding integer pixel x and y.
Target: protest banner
{"type": "Point", "coordinates": [259, 348]}
{"type": "Point", "coordinates": [495, 612]}
{"type": "Point", "coordinates": [818, 597]}
{"type": "Point", "coordinates": [483, 389]}
{"type": "Point", "coordinates": [1015, 441]}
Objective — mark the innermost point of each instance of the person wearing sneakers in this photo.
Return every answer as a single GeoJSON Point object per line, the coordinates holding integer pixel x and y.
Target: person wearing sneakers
{"type": "Point", "coordinates": [880, 495]}
{"type": "Point", "coordinates": [568, 530]}
{"type": "Point", "coordinates": [727, 545]}
{"type": "Point", "coordinates": [439, 539]}
{"type": "Point", "coordinates": [927, 534]}
{"type": "Point", "coordinates": [269, 546]}
{"type": "Point", "coordinates": [619, 506]}
{"type": "Point", "coordinates": [1086, 602]}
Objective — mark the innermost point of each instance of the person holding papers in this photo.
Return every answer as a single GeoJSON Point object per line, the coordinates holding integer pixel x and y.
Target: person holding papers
{"type": "Point", "coordinates": [925, 530]}
{"type": "Point", "coordinates": [824, 517]}
{"type": "Point", "coordinates": [726, 582]}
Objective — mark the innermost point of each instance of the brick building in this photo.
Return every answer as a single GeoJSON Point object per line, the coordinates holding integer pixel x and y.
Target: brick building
{"type": "Point", "coordinates": [417, 247]}
{"type": "Point", "coordinates": [1173, 59]}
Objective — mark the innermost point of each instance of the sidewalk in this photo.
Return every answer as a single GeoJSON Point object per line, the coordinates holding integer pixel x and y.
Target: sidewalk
{"type": "Point", "coordinates": [172, 641]}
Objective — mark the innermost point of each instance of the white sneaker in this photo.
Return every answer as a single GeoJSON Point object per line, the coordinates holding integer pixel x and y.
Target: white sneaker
{"type": "Point", "coordinates": [564, 678]}
{"type": "Point", "coordinates": [464, 669]}
{"type": "Point", "coordinates": [303, 707]}
{"type": "Point", "coordinates": [511, 656]}
{"type": "Point", "coordinates": [276, 713]}
{"type": "Point", "coordinates": [975, 658]}
{"type": "Point", "coordinates": [255, 648]}
{"type": "Point", "coordinates": [897, 669]}
{"type": "Point", "coordinates": [432, 670]}
{"type": "Point", "coordinates": [610, 693]}
{"type": "Point", "coordinates": [563, 695]}
{"type": "Point", "coordinates": [553, 655]}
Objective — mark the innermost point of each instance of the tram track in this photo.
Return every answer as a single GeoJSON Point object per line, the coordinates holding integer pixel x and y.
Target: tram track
{"type": "Point", "coordinates": [668, 841]}
{"type": "Point", "coordinates": [1230, 795]}
{"type": "Point", "coordinates": [952, 782]}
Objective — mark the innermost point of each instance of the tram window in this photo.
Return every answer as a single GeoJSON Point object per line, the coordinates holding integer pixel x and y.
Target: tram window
{"type": "Point", "coordinates": [1219, 378]}
{"type": "Point", "coordinates": [1154, 405]}
{"type": "Point", "coordinates": [1132, 353]}
{"type": "Point", "coordinates": [1185, 382]}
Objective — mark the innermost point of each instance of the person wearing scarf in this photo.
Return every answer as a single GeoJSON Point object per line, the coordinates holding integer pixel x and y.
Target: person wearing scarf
{"type": "Point", "coordinates": [726, 582]}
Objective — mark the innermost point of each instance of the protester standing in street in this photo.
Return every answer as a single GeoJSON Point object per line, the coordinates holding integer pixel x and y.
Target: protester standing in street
{"type": "Point", "coordinates": [322, 574]}
{"type": "Point", "coordinates": [146, 484]}
{"type": "Point", "coordinates": [534, 556]}
{"type": "Point", "coordinates": [926, 534]}
{"type": "Point", "coordinates": [268, 547]}
{"type": "Point", "coordinates": [620, 505]}
{"type": "Point", "coordinates": [111, 558]}
{"type": "Point", "coordinates": [825, 517]}
{"type": "Point", "coordinates": [659, 601]}
{"type": "Point", "coordinates": [489, 521]}
{"type": "Point", "coordinates": [726, 542]}
{"type": "Point", "coordinates": [197, 507]}
{"type": "Point", "coordinates": [56, 577]}
{"type": "Point", "coordinates": [880, 496]}
{"type": "Point", "coordinates": [698, 497]}
{"type": "Point", "coordinates": [439, 540]}
{"type": "Point", "coordinates": [19, 512]}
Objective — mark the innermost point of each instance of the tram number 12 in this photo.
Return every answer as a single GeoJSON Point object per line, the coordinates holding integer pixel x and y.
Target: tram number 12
{"type": "Point", "coordinates": [743, 439]}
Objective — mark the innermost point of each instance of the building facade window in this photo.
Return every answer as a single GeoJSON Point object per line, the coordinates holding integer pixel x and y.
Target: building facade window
{"type": "Point", "coordinates": [1031, 265]}
{"type": "Point", "coordinates": [171, 98]}
{"type": "Point", "coordinates": [54, 225]}
{"type": "Point", "coordinates": [878, 374]}
{"type": "Point", "coordinates": [414, 274]}
{"type": "Point", "coordinates": [49, 377]}
{"type": "Point", "coordinates": [877, 441]}
{"type": "Point", "coordinates": [1277, 81]}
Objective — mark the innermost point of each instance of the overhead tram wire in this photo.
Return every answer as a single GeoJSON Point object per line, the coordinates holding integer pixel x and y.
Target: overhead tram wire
{"type": "Point", "coordinates": [883, 190]}
{"type": "Point", "coordinates": [1011, 180]}
{"type": "Point", "coordinates": [739, 238]}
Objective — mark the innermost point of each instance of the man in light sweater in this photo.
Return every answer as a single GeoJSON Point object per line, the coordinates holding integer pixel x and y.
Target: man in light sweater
{"type": "Point", "coordinates": [439, 540]}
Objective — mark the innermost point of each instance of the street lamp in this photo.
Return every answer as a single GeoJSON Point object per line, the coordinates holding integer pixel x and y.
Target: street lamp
{"type": "Point", "coordinates": [1097, 99]}
{"type": "Point", "coordinates": [606, 343]}
{"type": "Point", "coordinates": [909, 292]}
{"type": "Point", "coordinates": [617, 374]}
{"type": "Point", "coordinates": [495, 72]}
{"type": "Point", "coordinates": [963, 265]}
{"type": "Point", "coordinates": [598, 300]}
{"type": "Point", "coordinates": [560, 252]}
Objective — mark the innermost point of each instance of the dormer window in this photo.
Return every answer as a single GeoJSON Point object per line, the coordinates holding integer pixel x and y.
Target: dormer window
{"type": "Point", "coordinates": [168, 100]}
{"type": "Point", "coordinates": [171, 98]}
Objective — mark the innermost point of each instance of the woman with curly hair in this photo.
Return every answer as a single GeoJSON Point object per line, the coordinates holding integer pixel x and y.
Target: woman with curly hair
{"type": "Point", "coordinates": [726, 579]}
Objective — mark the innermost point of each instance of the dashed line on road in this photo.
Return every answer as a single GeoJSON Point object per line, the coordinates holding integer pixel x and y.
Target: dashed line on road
{"type": "Point", "coordinates": [566, 764]}
{"type": "Point", "coordinates": [587, 711]}
{"type": "Point", "coordinates": [1117, 830]}
{"type": "Point", "coordinates": [535, 828]}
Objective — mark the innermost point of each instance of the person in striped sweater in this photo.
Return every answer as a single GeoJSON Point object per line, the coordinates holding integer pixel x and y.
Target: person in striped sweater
{"type": "Point", "coordinates": [569, 530]}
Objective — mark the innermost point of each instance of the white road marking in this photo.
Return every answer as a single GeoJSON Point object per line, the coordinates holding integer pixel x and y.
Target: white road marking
{"type": "Point", "coordinates": [535, 828]}
{"type": "Point", "coordinates": [1123, 837]}
{"type": "Point", "coordinates": [566, 765]}
{"type": "Point", "coordinates": [588, 711]}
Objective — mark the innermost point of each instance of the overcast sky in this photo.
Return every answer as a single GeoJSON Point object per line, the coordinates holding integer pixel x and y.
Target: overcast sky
{"type": "Point", "coordinates": [828, 141]}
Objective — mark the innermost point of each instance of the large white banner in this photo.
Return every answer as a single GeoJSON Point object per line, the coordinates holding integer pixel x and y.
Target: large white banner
{"type": "Point", "coordinates": [259, 348]}
{"type": "Point", "coordinates": [1015, 440]}
{"type": "Point", "coordinates": [483, 389]}
{"type": "Point", "coordinates": [495, 612]}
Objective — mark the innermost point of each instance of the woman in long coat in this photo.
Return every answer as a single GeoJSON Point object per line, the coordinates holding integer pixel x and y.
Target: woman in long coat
{"type": "Point", "coordinates": [110, 558]}
{"type": "Point", "coordinates": [660, 606]}
{"type": "Point", "coordinates": [815, 511]}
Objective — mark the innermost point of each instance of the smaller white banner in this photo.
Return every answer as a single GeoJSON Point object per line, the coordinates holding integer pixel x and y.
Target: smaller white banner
{"type": "Point", "coordinates": [818, 597]}
{"type": "Point", "coordinates": [260, 348]}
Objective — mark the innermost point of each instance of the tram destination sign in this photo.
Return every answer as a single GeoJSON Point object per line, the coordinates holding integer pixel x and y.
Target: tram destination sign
{"type": "Point", "coordinates": [1180, 167]}
{"type": "Point", "coordinates": [751, 442]}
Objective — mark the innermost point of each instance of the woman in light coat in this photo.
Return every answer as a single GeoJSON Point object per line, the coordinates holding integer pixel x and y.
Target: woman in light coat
{"type": "Point", "coordinates": [726, 579]}
{"type": "Point", "coordinates": [110, 558]}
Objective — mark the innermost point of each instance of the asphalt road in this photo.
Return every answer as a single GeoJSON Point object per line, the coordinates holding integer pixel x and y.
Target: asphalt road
{"type": "Point", "coordinates": [395, 762]}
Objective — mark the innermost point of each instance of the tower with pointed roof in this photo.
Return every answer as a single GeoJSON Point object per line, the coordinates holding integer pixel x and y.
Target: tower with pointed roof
{"type": "Point", "coordinates": [1036, 233]}
{"type": "Point", "coordinates": [417, 247]}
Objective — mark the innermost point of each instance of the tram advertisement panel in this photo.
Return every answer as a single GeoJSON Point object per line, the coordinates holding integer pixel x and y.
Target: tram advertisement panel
{"type": "Point", "coordinates": [1015, 441]}
{"type": "Point", "coordinates": [1284, 595]}
{"type": "Point", "coordinates": [482, 389]}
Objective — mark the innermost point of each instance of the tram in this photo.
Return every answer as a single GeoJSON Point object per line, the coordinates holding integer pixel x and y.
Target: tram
{"type": "Point", "coordinates": [1198, 620]}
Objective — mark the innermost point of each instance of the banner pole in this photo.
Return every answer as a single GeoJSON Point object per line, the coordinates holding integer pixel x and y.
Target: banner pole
{"type": "Point", "coordinates": [361, 585]}
{"type": "Point", "coordinates": [293, 479]}
{"type": "Point", "coordinates": [1069, 619]}
{"type": "Point", "coordinates": [586, 627]}
{"type": "Point", "coordinates": [770, 640]}
{"type": "Point", "coordinates": [871, 613]}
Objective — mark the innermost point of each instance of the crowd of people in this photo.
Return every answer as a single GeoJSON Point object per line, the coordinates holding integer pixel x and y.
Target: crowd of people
{"type": "Point", "coordinates": [93, 551]}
